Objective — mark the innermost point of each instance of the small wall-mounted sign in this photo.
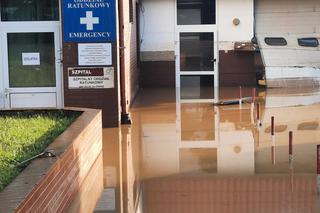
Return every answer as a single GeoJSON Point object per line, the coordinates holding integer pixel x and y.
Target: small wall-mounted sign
{"type": "Point", "coordinates": [91, 78]}
{"type": "Point", "coordinates": [30, 59]}
{"type": "Point", "coordinates": [94, 54]}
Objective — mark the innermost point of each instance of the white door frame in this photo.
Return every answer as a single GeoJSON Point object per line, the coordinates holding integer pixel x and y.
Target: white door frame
{"type": "Point", "coordinates": [2, 95]}
{"type": "Point", "coordinates": [31, 27]}
{"type": "Point", "coordinates": [203, 28]}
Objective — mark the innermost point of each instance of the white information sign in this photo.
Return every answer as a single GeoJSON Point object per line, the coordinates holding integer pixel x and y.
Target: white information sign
{"type": "Point", "coordinates": [30, 59]}
{"type": "Point", "coordinates": [94, 54]}
{"type": "Point", "coordinates": [91, 78]}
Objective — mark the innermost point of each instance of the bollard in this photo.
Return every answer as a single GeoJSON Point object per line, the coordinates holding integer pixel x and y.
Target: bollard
{"type": "Point", "coordinates": [291, 149]}
{"type": "Point", "coordinates": [273, 137]}
{"type": "Point", "coordinates": [318, 168]}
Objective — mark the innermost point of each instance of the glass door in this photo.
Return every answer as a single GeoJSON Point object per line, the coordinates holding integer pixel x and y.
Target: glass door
{"type": "Point", "coordinates": [196, 51]}
{"type": "Point", "coordinates": [30, 52]}
{"type": "Point", "coordinates": [32, 65]}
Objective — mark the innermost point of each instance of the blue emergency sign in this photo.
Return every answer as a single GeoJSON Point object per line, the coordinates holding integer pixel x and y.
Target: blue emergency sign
{"type": "Point", "coordinates": [89, 20]}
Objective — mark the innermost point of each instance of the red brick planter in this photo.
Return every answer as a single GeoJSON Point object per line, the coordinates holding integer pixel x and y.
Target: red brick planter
{"type": "Point", "coordinates": [51, 184]}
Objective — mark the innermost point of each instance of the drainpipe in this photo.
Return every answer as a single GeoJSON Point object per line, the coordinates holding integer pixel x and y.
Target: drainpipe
{"type": "Point", "coordinates": [125, 119]}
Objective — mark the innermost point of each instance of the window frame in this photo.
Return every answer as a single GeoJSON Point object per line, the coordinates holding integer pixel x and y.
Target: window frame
{"type": "Point", "coordinates": [131, 10]}
{"type": "Point", "coordinates": [300, 40]}
{"type": "Point", "coordinates": [268, 39]}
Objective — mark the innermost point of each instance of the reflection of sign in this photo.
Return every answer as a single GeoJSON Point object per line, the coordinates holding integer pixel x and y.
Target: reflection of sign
{"type": "Point", "coordinates": [91, 78]}
{"type": "Point", "coordinates": [110, 199]}
{"type": "Point", "coordinates": [89, 20]}
{"type": "Point", "coordinates": [94, 54]}
{"type": "Point", "coordinates": [30, 58]}
{"type": "Point", "coordinates": [107, 201]}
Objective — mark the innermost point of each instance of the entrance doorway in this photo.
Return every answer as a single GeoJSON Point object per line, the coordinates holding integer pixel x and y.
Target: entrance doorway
{"type": "Point", "coordinates": [196, 51]}
{"type": "Point", "coordinates": [30, 55]}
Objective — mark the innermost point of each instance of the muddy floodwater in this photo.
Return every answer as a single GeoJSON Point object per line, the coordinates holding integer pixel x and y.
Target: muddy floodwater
{"type": "Point", "coordinates": [189, 156]}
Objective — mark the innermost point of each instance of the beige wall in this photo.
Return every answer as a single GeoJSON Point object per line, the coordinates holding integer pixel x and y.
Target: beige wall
{"type": "Point", "coordinates": [227, 31]}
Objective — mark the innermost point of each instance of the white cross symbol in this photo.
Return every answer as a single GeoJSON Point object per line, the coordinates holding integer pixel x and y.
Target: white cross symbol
{"type": "Point", "coordinates": [89, 20]}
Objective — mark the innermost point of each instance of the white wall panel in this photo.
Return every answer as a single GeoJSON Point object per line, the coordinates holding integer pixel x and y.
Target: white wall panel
{"type": "Point", "coordinates": [33, 100]}
{"type": "Point", "coordinates": [291, 19]}
{"type": "Point", "coordinates": [157, 25]}
{"type": "Point", "coordinates": [230, 9]}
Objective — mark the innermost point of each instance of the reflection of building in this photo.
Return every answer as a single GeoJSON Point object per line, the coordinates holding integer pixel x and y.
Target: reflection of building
{"type": "Point", "coordinates": [194, 140]}
{"type": "Point", "coordinates": [201, 158]}
{"type": "Point", "coordinates": [236, 146]}
{"type": "Point", "coordinates": [230, 194]}
{"type": "Point", "coordinates": [122, 176]}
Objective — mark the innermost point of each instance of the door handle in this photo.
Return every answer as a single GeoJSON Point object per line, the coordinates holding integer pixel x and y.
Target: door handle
{"type": "Point", "coordinates": [59, 61]}
{"type": "Point", "coordinates": [6, 93]}
{"type": "Point", "coordinates": [214, 60]}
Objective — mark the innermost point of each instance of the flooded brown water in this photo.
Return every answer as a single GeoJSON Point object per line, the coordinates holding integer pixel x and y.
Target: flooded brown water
{"type": "Point", "coordinates": [195, 157]}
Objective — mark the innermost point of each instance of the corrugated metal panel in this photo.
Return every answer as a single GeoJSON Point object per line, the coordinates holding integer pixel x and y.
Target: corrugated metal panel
{"type": "Point", "coordinates": [291, 19]}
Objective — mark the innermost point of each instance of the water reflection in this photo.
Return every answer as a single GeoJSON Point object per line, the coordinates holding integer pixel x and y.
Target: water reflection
{"type": "Point", "coordinates": [195, 157]}
{"type": "Point", "coordinates": [90, 187]}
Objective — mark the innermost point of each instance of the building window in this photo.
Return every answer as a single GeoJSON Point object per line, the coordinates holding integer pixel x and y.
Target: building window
{"type": "Point", "coordinates": [196, 12]}
{"type": "Point", "coordinates": [31, 10]}
{"type": "Point", "coordinates": [196, 52]}
{"type": "Point", "coordinates": [308, 42]}
{"type": "Point", "coordinates": [275, 41]}
{"type": "Point", "coordinates": [38, 75]}
{"type": "Point", "coordinates": [131, 11]}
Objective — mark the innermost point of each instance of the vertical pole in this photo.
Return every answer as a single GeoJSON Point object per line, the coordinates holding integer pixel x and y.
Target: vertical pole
{"type": "Point", "coordinates": [291, 157]}
{"type": "Point", "coordinates": [291, 178]}
{"type": "Point", "coordinates": [240, 96]}
{"type": "Point", "coordinates": [291, 149]}
{"type": "Point", "coordinates": [318, 168]}
{"type": "Point", "coordinates": [252, 114]}
{"type": "Point", "coordinates": [273, 154]}
{"type": "Point", "coordinates": [258, 115]}
{"type": "Point", "coordinates": [253, 99]}
{"type": "Point", "coordinates": [256, 136]}
{"type": "Point", "coordinates": [252, 105]}
{"type": "Point", "coordinates": [273, 138]}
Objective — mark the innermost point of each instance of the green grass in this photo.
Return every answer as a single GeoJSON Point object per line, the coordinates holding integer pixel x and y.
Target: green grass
{"type": "Point", "coordinates": [25, 134]}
